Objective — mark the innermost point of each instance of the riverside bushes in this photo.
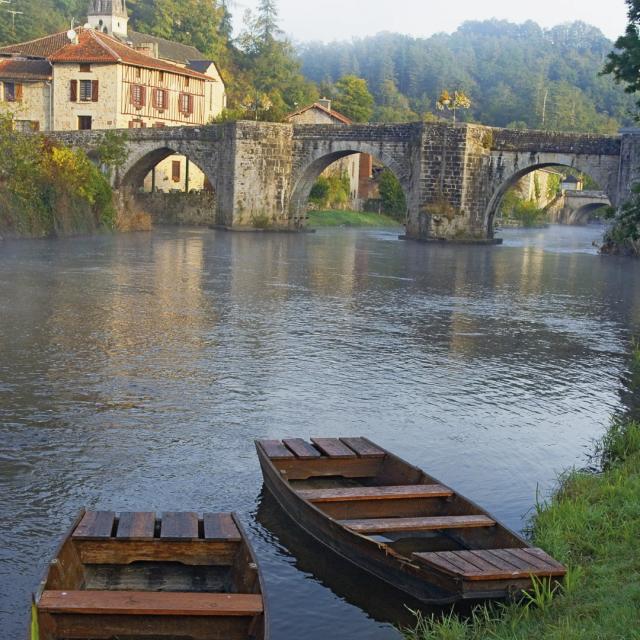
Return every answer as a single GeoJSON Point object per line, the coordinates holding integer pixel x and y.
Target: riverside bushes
{"type": "Point", "coordinates": [47, 189]}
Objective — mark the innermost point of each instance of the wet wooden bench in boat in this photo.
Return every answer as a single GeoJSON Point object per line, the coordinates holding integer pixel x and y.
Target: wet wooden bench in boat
{"type": "Point", "coordinates": [493, 564]}
{"type": "Point", "coordinates": [433, 523]}
{"type": "Point", "coordinates": [150, 603]}
{"type": "Point", "coordinates": [353, 494]}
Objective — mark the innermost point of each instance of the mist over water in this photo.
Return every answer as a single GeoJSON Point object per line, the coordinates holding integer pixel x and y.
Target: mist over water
{"type": "Point", "coordinates": [136, 371]}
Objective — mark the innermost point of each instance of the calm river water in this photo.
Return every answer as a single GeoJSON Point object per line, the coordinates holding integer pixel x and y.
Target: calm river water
{"type": "Point", "coordinates": [136, 370]}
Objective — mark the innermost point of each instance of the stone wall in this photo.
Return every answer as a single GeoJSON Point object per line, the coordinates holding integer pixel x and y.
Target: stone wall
{"type": "Point", "coordinates": [195, 209]}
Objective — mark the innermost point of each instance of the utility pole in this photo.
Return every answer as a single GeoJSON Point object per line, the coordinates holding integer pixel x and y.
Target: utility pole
{"type": "Point", "coordinates": [13, 17]}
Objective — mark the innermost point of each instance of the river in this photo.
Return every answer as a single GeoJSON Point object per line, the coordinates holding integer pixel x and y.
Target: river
{"type": "Point", "coordinates": [136, 370]}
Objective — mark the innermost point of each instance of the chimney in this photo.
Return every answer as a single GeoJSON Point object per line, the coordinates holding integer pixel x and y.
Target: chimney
{"type": "Point", "coordinates": [326, 103]}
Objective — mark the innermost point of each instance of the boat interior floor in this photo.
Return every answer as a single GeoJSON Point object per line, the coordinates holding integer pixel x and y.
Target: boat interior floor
{"type": "Point", "coordinates": [158, 576]}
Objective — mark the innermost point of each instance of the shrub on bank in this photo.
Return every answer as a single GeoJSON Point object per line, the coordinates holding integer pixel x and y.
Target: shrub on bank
{"type": "Point", "coordinates": [47, 189]}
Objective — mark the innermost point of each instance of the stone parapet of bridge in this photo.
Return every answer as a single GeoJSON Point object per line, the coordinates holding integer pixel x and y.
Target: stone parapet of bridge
{"type": "Point", "coordinates": [453, 175]}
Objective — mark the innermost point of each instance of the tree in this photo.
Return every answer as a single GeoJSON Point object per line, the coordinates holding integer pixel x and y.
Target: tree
{"type": "Point", "coordinates": [393, 199]}
{"type": "Point", "coordinates": [267, 20]}
{"type": "Point", "coordinates": [352, 98]}
{"type": "Point", "coordinates": [459, 100]}
{"type": "Point", "coordinates": [624, 63]}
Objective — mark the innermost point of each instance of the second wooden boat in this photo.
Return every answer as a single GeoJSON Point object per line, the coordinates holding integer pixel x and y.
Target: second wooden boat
{"type": "Point", "coordinates": [391, 519]}
{"type": "Point", "coordinates": [138, 575]}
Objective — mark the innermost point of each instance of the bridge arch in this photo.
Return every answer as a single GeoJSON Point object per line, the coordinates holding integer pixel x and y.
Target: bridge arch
{"type": "Point", "coordinates": [584, 213]}
{"type": "Point", "coordinates": [308, 168]}
{"type": "Point", "coordinates": [604, 173]}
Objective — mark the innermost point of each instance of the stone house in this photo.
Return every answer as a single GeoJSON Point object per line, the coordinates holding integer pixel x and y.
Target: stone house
{"type": "Point", "coordinates": [102, 76]}
{"type": "Point", "coordinates": [26, 92]}
{"type": "Point", "coordinates": [357, 166]}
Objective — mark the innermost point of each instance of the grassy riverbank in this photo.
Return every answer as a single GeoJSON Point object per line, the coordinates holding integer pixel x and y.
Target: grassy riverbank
{"type": "Point", "coordinates": [333, 218]}
{"type": "Point", "coordinates": [592, 524]}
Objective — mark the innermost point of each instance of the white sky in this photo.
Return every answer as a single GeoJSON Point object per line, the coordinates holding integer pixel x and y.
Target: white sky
{"type": "Point", "coordinates": [328, 20]}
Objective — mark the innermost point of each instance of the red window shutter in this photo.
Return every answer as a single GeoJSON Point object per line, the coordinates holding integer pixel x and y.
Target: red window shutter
{"type": "Point", "coordinates": [143, 96]}
{"type": "Point", "coordinates": [94, 91]}
{"type": "Point", "coordinates": [132, 124]}
{"type": "Point", "coordinates": [175, 170]}
{"type": "Point", "coordinates": [19, 92]}
{"type": "Point", "coordinates": [190, 105]}
{"type": "Point", "coordinates": [154, 98]}
{"type": "Point", "coordinates": [73, 91]}
{"type": "Point", "coordinates": [165, 98]}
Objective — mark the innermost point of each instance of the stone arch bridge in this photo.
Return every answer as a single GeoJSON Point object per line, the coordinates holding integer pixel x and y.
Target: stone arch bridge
{"type": "Point", "coordinates": [453, 175]}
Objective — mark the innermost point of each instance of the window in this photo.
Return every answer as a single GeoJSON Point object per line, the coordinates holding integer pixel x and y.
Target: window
{"type": "Point", "coordinates": [159, 98]}
{"type": "Point", "coordinates": [85, 91]}
{"type": "Point", "coordinates": [138, 95]}
{"type": "Point", "coordinates": [175, 170]}
{"type": "Point", "coordinates": [137, 124]}
{"type": "Point", "coordinates": [158, 125]}
{"type": "Point", "coordinates": [85, 68]}
{"type": "Point", "coordinates": [161, 76]}
{"type": "Point", "coordinates": [10, 91]}
{"type": "Point", "coordinates": [186, 81]}
{"type": "Point", "coordinates": [27, 126]}
{"type": "Point", "coordinates": [138, 72]}
{"type": "Point", "coordinates": [84, 122]}
{"type": "Point", "coordinates": [185, 103]}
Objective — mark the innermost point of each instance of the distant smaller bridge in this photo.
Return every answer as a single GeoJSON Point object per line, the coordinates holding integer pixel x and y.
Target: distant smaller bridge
{"type": "Point", "coordinates": [577, 207]}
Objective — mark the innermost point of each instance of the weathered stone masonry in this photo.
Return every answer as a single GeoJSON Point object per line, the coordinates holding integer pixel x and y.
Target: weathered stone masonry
{"type": "Point", "coordinates": [454, 175]}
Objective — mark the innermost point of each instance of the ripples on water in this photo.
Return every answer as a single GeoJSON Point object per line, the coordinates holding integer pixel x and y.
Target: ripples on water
{"type": "Point", "coordinates": [136, 370]}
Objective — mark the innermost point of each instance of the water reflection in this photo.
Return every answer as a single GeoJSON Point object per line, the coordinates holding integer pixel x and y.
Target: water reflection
{"type": "Point", "coordinates": [135, 372]}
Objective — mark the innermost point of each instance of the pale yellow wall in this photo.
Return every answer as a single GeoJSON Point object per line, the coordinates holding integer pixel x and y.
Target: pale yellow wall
{"type": "Point", "coordinates": [104, 113]}
{"type": "Point", "coordinates": [313, 116]}
{"type": "Point", "coordinates": [164, 178]}
{"type": "Point", "coordinates": [114, 108]}
{"type": "Point", "coordinates": [34, 106]}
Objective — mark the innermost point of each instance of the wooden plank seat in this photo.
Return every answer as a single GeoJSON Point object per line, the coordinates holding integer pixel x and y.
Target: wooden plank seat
{"type": "Point", "coordinates": [493, 564]}
{"type": "Point", "coordinates": [275, 450]}
{"type": "Point", "coordinates": [334, 448]}
{"type": "Point", "coordinates": [353, 494]}
{"type": "Point", "coordinates": [302, 449]}
{"type": "Point", "coordinates": [144, 526]}
{"type": "Point", "coordinates": [433, 523]}
{"type": "Point", "coordinates": [150, 603]}
{"type": "Point", "coordinates": [364, 447]}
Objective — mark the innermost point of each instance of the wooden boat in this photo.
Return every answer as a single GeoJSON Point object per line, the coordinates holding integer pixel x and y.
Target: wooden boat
{"type": "Point", "coordinates": [398, 523]}
{"type": "Point", "coordinates": [138, 575]}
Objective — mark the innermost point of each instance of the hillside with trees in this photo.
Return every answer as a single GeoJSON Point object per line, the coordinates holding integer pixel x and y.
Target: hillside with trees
{"type": "Point", "coordinates": [516, 75]}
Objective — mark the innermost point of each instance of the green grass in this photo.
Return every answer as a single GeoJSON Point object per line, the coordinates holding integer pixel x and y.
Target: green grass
{"type": "Point", "coordinates": [350, 219]}
{"type": "Point", "coordinates": [592, 524]}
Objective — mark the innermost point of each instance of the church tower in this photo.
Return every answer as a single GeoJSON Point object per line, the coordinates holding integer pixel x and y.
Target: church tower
{"type": "Point", "coordinates": [109, 16]}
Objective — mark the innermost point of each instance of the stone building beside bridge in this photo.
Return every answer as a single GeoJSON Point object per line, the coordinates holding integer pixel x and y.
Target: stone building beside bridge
{"type": "Point", "coordinates": [103, 76]}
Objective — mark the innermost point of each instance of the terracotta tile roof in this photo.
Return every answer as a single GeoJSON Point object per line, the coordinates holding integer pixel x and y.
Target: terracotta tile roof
{"type": "Point", "coordinates": [41, 47]}
{"type": "Point", "coordinates": [316, 105]}
{"type": "Point", "coordinates": [21, 69]}
{"type": "Point", "coordinates": [94, 46]}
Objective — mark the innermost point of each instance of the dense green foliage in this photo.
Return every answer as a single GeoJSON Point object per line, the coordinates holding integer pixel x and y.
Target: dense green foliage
{"type": "Point", "coordinates": [525, 212]}
{"type": "Point", "coordinates": [518, 75]}
{"type": "Point", "coordinates": [393, 199]}
{"type": "Point", "coordinates": [331, 191]}
{"type": "Point", "coordinates": [350, 219]}
{"type": "Point", "coordinates": [624, 62]}
{"type": "Point", "coordinates": [623, 234]}
{"type": "Point", "coordinates": [352, 98]}
{"type": "Point", "coordinates": [592, 524]}
{"type": "Point", "coordinates": [47, 189]}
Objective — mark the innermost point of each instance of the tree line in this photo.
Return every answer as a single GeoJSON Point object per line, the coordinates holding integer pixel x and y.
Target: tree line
{"type": "Point", "coordinates": [515, 75]}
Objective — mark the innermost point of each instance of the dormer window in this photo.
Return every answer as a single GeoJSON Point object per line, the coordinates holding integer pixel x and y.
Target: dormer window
{"type": "Point", "coordinates": [85, 68]}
